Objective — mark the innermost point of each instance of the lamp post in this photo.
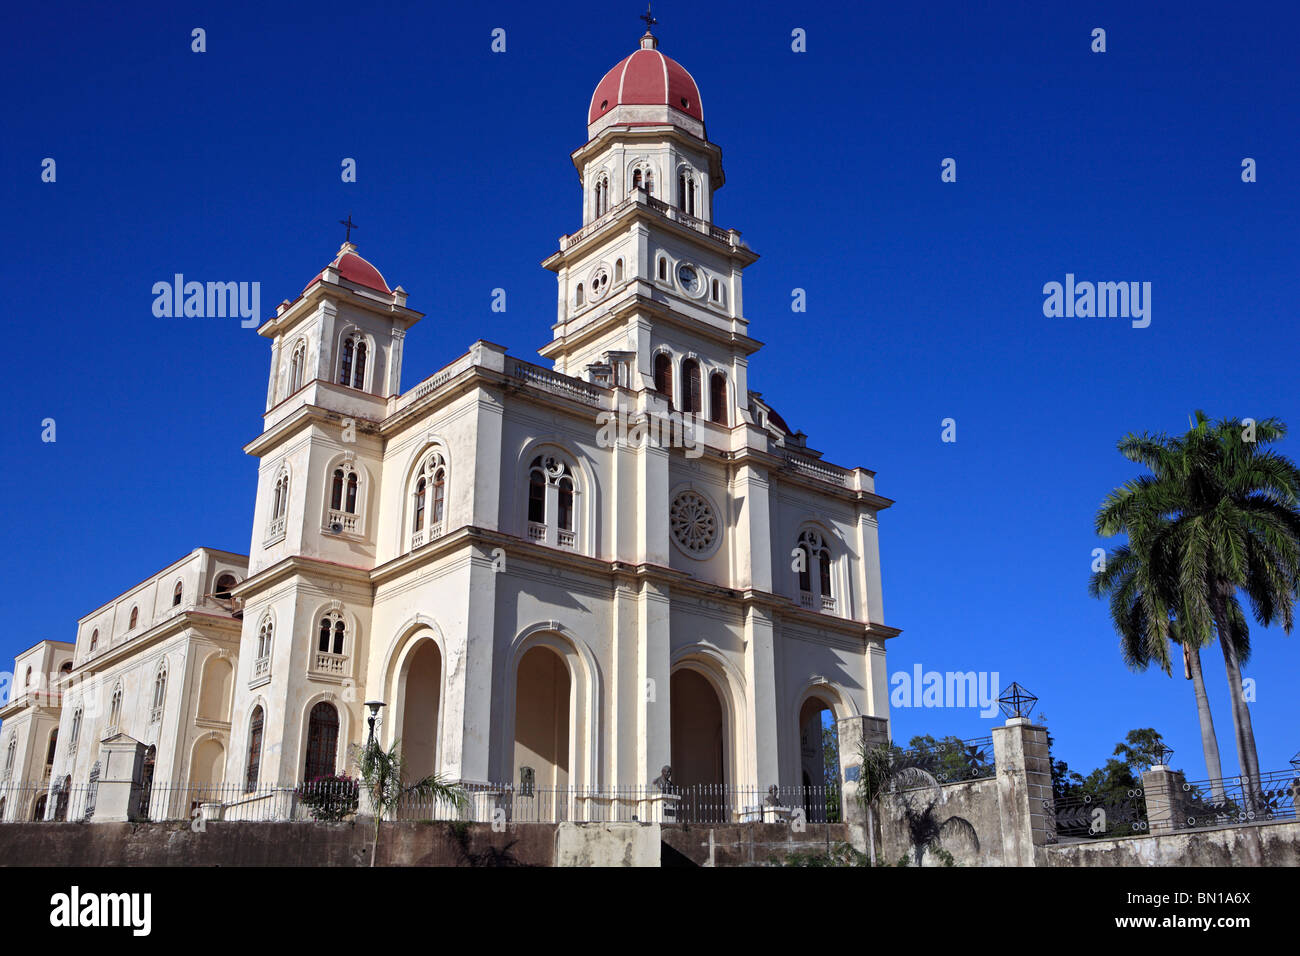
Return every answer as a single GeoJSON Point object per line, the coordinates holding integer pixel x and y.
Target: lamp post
{"type": "Point", "coordinates": [374, 706]}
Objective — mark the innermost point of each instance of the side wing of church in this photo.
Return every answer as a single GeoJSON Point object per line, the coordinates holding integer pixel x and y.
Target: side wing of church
{"type": "Point", "coordinates": [570, 575]}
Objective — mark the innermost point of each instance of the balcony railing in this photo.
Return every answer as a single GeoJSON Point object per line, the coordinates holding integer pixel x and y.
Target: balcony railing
{"type": "Point", "coordinates": [813, 468]}
{"type": "Point", "coordinates": [557, 384]}
{"type": "Point", "coordinates": [344, 519]}
{"type": "Point", "coordinates": [425, 535]}
{"type": "Point", "coordinates": [536, 532]}
{"type": "Point", "coordinates": [275, 530]}
{"type": "Point", "coordinates": [335, 665]}
{"type": "Point", "coordinates": [566, 539]}
{"type": "Point", "coordinates": [815, 602]}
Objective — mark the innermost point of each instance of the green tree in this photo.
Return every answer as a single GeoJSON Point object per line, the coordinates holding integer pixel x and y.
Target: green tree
{"type": "Point", "coordinates": [1217, 515]}
{"type": "Point", "coordinates": [383, 778]}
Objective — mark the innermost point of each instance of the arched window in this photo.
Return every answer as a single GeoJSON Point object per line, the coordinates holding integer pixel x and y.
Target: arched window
{"type": "Point", "coordinates": [62, 794]}
{"type": "Point", "coordinates": [279, 505]}
{"type": "Point", "coordinates": [552, 503]}
{"type": "Point", "coordinates": [177, 593]}
{"type": "Point", "coordinates": [11, 754]}
{"type": "Point", "coordinates": [159, 695]}
{"type": "Point", "coordinates": [686, 192]}
{"type": "Point", "coordinates": [333, 633]}
{"type": "Point", "coordinates": [27, 683]}
{"type": "Point", "coordinates": [352, 361]}
{"type": "Point", "coordinates": [345, 485]}
{"type": "Point", "coordinates": [65, 668]}
{"type": "Point", "coordinates": [643, 177]}
{"type": "Point", "coordinates": [816, 566]}
{"type": "Point", "coordinates": [115, 710]}
{"type": "Point", "coordinates": [297, 365]}
{"type": "Point", "coordinates": [53, 746]}
{"type": "Point", "coordinates": [663, 269]}
{"type": "Point", "coordinates": [637, 179]}
{"type": "Point", "coordinates": [94, 640]}
{"type": "Point", "coordinates": [428, 499]}
{"type": "Point", "coordinates": [618, 270]}
{"type": "Point", "coordinates": [254, 749]}
{"type": "Point", "coordinates": [76, 731]}
{"type": "Point", "coordinates": [322, 741]}
{"type": "Point", "coordinates": [224, 585]}
{"type": "Point", "coordinates": [579, 299]}
{"type": "Point", "coordinates": [718, 398]}
{"type": "Point", "coordinates": [691, 385]}
{"type": "Point", "coordinates": [664, 375]}
{"type": "Point", "coordinates": [135, 619]}
{"type": "Point", "coordinates": [265, 637]}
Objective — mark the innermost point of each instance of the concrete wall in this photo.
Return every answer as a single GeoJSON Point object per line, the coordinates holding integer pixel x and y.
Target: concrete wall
{"type": "Point", "coordinates": [975, 801]}
{"type": "Point", "coordinates": [407, 844]}
{"type": "Point", "coordinates": [1263, 844]}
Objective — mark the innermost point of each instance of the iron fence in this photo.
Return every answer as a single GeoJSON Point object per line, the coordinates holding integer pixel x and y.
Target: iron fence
{"type": "Point", "coordinates": [1231, 800]}
{"type": "Point", "coordinates": [341, 798]}
{"type": "Point", "coordinates": [952, 761]}
{"type": "Point", "coordinates": [1119, 813]}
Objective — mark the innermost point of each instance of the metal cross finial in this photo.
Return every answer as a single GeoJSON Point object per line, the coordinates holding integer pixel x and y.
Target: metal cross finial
{"type": "Point", "coordinates": [649, 18]}
{"type": "Point", "coordinates": [350, 224]}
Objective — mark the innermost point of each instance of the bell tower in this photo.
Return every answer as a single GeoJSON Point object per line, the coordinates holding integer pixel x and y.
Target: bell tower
{"type": "Point", "coordinates": [650, 273]}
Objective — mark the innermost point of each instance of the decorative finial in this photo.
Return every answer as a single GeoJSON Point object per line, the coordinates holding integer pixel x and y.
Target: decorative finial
{"type": "Point", "coordinates": [350, 226]}
{"type": "Point", "coordinates": [649, 18]}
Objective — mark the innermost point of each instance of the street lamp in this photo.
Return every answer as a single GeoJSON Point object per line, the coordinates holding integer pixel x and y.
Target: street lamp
{"type": "Point", "coordinates": [374, 706]}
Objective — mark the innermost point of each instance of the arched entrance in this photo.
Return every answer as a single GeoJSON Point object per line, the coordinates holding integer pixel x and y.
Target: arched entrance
{"type": "Point", "coordinates": [698, 731]}
{"type": "Point", "coordinates": [819, 762]}
{"type": "Point", "coordinates": [322, 741]}
{"type": "Point", "coordinates": [38, 810]}
{"type": "Point", "coordinates": [421, 692]}
{"type": "Point", "coordinates": [208, 769]}
{"type": "Point", "coordinates": [541, 742]}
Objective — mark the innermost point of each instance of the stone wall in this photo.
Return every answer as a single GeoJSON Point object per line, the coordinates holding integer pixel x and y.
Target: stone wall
{"type": "Point", "coordinates": [975, 801]}
{"type": "Point", "coordinates": [1260, 844]}
{"type": "Point", "coordinates": [409, 844]}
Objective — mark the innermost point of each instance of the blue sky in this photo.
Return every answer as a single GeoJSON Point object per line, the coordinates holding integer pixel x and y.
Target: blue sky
{"type": "Point", "coordinates": [924, 298]}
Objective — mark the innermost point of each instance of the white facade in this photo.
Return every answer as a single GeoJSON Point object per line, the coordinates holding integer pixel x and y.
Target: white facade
{"type": "Point", "coordinates": [529, 592]}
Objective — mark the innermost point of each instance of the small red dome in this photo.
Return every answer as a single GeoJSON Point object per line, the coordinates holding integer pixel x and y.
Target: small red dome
{"type": "Point", "coordinates": [352, 267]}
{"type": "Point", "coordinates": [647, 78]}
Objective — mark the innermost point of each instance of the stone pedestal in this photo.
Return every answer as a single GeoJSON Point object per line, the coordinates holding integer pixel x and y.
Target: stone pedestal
{"type": "Point", "coordinates": [119, 785]}
{"type": "Point", "coordinates": [853, 731]}
{"type": "Point", "coordinates": [1165, 798]}
{"type": "Point", "coordinates": [1024, 789]}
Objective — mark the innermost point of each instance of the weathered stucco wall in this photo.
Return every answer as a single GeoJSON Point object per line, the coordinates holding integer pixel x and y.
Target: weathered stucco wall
{"type": "Point", "coordinates": [274, 844]}
{"type": "Point", "coordinates": [1264, 844]}
{"type": "Point", "coordinates": [974, 800]}
{"type": "Point", "coordinates": [407, 844]}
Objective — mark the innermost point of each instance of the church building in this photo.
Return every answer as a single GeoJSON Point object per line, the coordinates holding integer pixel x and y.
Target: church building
{"type": "Point", "coordinates": [564, 573]}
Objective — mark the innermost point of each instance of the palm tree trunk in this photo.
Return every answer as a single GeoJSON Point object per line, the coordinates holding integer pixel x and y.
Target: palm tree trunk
{"type": "Point", "coordinates": [871, 834]}
{"type": "Point", "coordinates": [1209, 742]}
{"type": "Point", "coordinates": [1247, 757]}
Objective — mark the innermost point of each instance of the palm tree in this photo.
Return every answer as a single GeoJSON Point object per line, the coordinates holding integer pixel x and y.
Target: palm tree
{"type": "Point", "coordinates": [1217, 515]}
{"type": "Point", "coordinates": [1145, 626]}
{"type": "Point", "coordinates": [882, 770]}
{"type": "Point", "coordinates": [382, 775]}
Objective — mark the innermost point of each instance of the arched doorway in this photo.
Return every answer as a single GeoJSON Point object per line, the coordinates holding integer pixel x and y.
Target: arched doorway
{"type": "Point", "coordinates": [215, 689]}
{"type": "Point", "coordinates": [322, 741]}
{"type": "Point", "coordinates": [38, 810]}
{"type": "Point", "coordinates": [698, 742]}
{"type": "Point", "coordinates": [146, 781]}
{"type": "Point", "coordinates": [208, 769]}
{"type": "Point", "coordinates": [421, 696]}
{"type": "Point", "coordinates": [541, 743]}
{"type": "Point", "coordinates": [819, 761]}
{"type": "Point", "coordinates": [61, 799]}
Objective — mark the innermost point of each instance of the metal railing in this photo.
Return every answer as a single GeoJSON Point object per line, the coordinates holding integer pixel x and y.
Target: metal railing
{"type": "Point", "coordinates": [341, 798]}
{"type": "Point", "coordinates": [953, 761]}
{"type": "Point", "coordinates": [1095, 816]}
{"type": "Point", "coordinates": [1231, 800]}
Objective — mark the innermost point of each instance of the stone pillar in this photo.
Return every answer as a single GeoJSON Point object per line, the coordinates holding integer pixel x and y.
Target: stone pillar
{"type": "Point", "coordinates": [1025, 800]}
{"type": "Point", "coordinates": [852, 732]}
{"type": "Point", "coordinates": [1165, 798]}
{"type": "Point", "coordinates": [119, 787]}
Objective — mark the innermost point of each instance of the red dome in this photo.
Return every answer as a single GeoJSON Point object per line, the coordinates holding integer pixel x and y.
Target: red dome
{"type": "Point", "coordinates": [355, 269]}
{"type": "Point", "coordinates": [647, 78]}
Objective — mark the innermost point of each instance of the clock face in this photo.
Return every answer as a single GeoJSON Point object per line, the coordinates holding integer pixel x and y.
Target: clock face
{"type": "Point", "coordinates": [689, 279]}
